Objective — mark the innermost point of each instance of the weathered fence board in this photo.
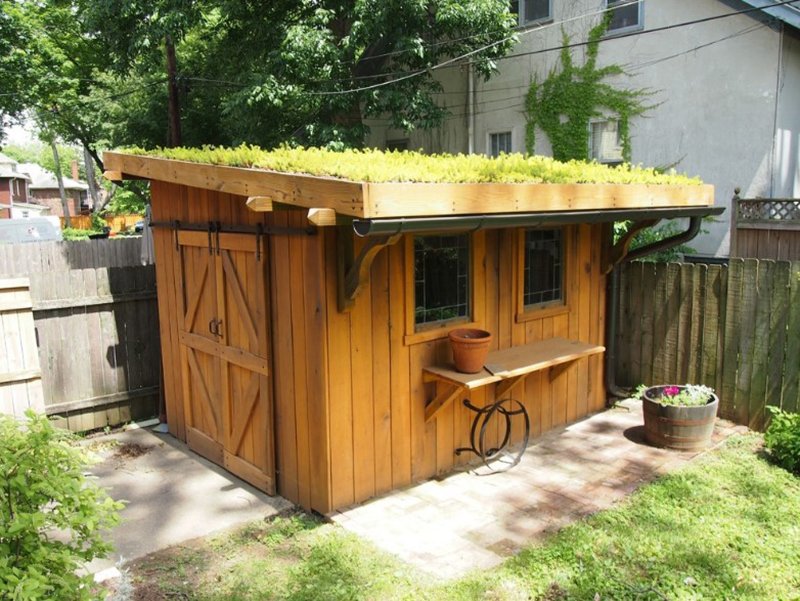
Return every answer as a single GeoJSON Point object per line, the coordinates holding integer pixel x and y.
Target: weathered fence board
{"type": "Point", "coordinates": [735, 328]}
{"type": "Point", "coordinates": [20, 374]}
{"type": "Point", "coordinates": [94, 309]}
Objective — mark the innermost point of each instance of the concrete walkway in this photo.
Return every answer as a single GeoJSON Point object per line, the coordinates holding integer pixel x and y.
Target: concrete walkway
{"type": "Point", "coordinates": [172, 494]}
{"type": "Point", "coordinates": [464, 522]}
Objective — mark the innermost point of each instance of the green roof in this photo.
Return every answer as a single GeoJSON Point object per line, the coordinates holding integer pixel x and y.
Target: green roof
{"type": "Point", "coordinates": [404, 166]}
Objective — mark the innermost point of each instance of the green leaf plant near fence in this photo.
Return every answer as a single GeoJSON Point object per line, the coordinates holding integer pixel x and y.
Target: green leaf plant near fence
{"type": "Point", "coordinates": [734, 327]}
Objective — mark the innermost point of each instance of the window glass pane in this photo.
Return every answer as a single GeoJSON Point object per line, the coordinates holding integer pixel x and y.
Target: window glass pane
{"type": "Point", "coordinates": [397, 144]}
{"type": "Point", "coordinates": [624, 15]}
{"type": "Point", "coordinates": [537, 9]}
{"type": "Point", "coordinates": [544, 267]}
{"type": "Point", "coordinates": [441, 278]}
{"type": "Point", "coordinates": [500, 142]}
{"type": "Point", "coordinates": [606, 142]}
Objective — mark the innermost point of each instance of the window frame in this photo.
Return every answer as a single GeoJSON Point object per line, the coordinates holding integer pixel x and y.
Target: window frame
{"type": "Point", "coordinates": [528, 312]}
{"type": "Point", "coordinates": [418, 333]}
{"type": "Point", "coordinates": [619, 30]}
{"type": "Point", "coordinates": [498, 132]}
{"type": "Point", "coordinates": [398, 144]}
{"type": "Point", "coordinates": [522, 19]}
{"type": "Point", "coordinates": [609, 162]}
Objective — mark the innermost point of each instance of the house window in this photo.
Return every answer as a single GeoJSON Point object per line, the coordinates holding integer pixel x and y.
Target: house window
{"type": "Point", "coordinates": [543, 271]}
{"type": "Point", "coordinates": [530, 11]}
{"type": "Point", "coordinates": [625, 14]}
{"type": "Point", "coordinates": [605, 141]}
{"type": "Point", "coordinates": [499, 142]}
{"type": "Point", "coordinates": [441, 278]}
{"type": "Point", "coordinates": [397, 144]}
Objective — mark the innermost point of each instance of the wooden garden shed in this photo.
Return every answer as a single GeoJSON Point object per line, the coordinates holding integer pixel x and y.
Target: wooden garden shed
{"type": "Point", "coordinates": [304, 318]}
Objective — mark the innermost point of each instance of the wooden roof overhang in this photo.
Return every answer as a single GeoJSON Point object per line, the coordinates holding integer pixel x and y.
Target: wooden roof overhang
{"type": "Point", "coordinates": [382, 212]}
{"type": "Point", "coordinates": [369, 200]}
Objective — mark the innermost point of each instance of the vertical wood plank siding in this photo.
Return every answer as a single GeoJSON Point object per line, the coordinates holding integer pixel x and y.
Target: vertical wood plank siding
{"type": "Point", "coordinates": [348, 392]}
{"type": "Point", "coordinates": [737, 328]}
{"type": "Point", "coordinates": [378, 439]}
{"type": "Point", "coordinates": [299, 315]}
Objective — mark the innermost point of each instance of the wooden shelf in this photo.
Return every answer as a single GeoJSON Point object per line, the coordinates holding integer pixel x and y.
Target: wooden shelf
{"type": "Point", "coordinates": [509, 366]}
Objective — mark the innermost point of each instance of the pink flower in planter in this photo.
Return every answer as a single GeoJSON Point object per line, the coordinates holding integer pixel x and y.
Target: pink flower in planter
{"type": "Point", "coordinates": [671, 390]}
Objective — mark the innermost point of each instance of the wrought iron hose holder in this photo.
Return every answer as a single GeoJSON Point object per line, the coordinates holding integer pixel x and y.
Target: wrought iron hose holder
{"type": "Point", "coordinates": [507, 409]}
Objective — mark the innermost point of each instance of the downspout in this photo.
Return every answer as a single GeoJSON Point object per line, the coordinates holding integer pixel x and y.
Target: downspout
{"type": "Point", "coordinates": [612, 297]}
{"type": "Point", "coordinates": [470, 109]}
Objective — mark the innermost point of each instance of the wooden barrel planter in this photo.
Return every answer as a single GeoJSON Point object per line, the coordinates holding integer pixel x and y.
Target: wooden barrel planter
{"type": "Point", "coordinates": [678, 427]}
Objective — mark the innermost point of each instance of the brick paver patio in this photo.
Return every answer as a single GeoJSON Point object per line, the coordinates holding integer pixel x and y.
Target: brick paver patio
{"type": "Point", "coordinates": [463, 522]}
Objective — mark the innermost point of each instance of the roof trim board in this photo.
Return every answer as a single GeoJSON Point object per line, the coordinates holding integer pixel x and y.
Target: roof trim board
{"type": "Point", "coordinates": [787, 13]}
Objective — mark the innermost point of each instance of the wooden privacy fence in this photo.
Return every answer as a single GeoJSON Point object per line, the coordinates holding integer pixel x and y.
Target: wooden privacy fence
{"type": "Point", "coordinates": [735, 328]}
{"type": "Point", "coordinates": [766, 228]}
{"type": "Point", "coordinates": [95, 314]}
{"type": "Point", "coordinates": [117, 223]}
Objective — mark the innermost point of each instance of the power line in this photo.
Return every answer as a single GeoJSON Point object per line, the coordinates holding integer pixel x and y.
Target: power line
{"type": "Point", "coordinates": [462, 57]}
{"type": "Point", "coordinates": [520, 102]}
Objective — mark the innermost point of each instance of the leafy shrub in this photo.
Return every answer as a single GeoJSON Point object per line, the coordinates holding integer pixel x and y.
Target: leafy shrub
{"type": "Point", "coordinates": [51, 517]}
{"type": "Point", "coordinates": [783, 439]}
{"type": "Point", "coordinates": [73, 233]}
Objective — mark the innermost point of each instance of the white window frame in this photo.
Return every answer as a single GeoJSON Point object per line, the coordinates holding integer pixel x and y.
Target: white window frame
{"type": "Point", "coordinates": [640, 20]}
{"type": "Point", "coordinates": [601, 159]}
{"type": "Point", "coordinates": [397, 144]}
{"type": "Point", "coordinates": [497, 132]}
{"type": "Point", "coordinates": [522, 19]}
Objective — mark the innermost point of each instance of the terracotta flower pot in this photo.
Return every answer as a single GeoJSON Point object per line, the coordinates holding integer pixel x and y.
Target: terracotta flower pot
{"type": "Point", "coordinates": [470, 348]}
{"type": "Point", "coordinates": [675, 426]}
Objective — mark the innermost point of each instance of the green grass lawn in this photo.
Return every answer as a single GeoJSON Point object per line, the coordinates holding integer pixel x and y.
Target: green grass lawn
{"type": "Point", "coordinates": [725, 527]}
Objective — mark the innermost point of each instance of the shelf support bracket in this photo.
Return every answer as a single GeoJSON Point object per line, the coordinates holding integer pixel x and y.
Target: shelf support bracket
{"type": "Point", "coordinates": [353, 270]}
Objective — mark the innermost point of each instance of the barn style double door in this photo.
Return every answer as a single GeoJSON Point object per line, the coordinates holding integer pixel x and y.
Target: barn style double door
{"type": "Point", "coordinates": [225, 351]}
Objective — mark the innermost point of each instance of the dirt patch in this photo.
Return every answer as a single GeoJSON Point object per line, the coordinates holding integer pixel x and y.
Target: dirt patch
{"type": "Point", "coordinates": [130, 450]}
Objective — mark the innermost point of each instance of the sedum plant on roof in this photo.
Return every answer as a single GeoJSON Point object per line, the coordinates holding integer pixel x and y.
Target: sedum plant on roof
{"type": "Point", "coordinates": [395, 166]}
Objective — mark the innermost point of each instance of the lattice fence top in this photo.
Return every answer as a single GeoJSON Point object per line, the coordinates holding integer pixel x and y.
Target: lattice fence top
{"type": "Point", "coordinates": [768, 209]}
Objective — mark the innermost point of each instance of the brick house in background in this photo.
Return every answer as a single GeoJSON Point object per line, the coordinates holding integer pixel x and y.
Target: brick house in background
{"type": "Point", "coordinates": [13, 186]}
{"type": "Point", "coordinates": [43, 189]}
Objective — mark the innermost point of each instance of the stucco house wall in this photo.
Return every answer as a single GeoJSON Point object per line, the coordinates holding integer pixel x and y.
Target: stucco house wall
{"type": "Point", "coordinates": [726, 93]}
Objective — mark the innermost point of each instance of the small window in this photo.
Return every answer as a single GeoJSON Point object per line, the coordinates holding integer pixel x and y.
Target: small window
{"type": "Point", "coordinates": [499, 142]}
{"type": "Point", "coordinates": [25, 214]}
{"type": "Point", "coordinates": [441, 278]}
{"type": "Point", "coordinates": [529, 11]}
{"type": "Point", "coordinates": [397, 144]}
{"type": "Point", "coordinates": [543, 268]}
{"type": "Point", "coordinates": [625, 14]}
{"type": "Point", "coordinates": [606, 142]}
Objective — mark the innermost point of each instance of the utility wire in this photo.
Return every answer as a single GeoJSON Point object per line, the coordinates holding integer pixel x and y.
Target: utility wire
{"type": "Point", "coordinates": [460, 58]}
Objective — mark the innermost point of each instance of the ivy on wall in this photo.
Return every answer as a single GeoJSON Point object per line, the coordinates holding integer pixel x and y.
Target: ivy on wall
{"type": "Point", "coordinates": [564, 104]}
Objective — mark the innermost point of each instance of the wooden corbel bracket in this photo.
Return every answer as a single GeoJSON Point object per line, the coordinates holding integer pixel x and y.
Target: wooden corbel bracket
{"type": "Point", "coordinates": [353, 270]}
{"type": "Point", "coordinates": [619, 251]}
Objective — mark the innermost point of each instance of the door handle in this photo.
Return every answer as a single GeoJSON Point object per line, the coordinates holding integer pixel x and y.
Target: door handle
{"type": "Point", "coordinates": [214, 327]}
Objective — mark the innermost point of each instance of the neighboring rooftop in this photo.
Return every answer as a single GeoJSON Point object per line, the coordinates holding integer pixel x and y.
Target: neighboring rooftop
{"type": "Point", "coordinates": [42, 179]}
{"type": "Point", "coordinates": [788, 13]}
{"type": "Point", "coordinates": [9, 168]}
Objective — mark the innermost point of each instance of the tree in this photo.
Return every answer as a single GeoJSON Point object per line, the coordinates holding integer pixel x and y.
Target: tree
{"type": "Point", "coordinates": [271, 72]}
